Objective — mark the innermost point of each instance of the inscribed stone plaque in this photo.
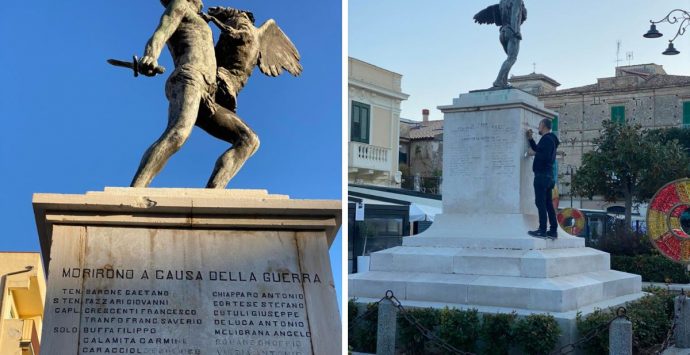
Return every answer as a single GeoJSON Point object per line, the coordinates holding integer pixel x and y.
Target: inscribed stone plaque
{"type": "Point", "coordinates": [485, 168]}
{"type": "Point", "coordinates": [179, 291]}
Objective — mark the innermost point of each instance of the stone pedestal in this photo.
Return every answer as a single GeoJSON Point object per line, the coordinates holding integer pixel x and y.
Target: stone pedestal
{"type": "Point", "coordinates": [477, 254]}
{"type": "Point", "coordinates": [190, 271]}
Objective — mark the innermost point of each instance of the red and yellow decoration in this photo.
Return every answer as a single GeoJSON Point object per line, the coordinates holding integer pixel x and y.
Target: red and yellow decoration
{"type": "Point", "coordinates": [575, 218]}
{"type": "Point", "coordinates": [663, 220]}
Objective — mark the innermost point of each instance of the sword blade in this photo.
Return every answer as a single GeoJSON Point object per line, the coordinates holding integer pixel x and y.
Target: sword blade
{"type": "Point", "coordinates": [134, 66]}
{"type": "Point", "coordinates": [121, 63]}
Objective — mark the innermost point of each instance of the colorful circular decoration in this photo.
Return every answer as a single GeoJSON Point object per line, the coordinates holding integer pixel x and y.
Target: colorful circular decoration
{"type": "Point", "coordinates": [664, 227]}
{"type": "Point", "coordinates": [571, 220]}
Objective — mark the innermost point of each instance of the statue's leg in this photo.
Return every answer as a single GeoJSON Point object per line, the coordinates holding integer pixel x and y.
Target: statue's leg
{"type": "Point", "coordinates": [512, 49]}
{"type": "Point", "coordinates": [182, 113]}
{"type": "Point", "coordinates": [226, 125]}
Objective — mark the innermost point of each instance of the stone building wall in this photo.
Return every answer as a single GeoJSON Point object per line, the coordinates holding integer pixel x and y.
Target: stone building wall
{"type": "Point", "coordinates": [650, 97]}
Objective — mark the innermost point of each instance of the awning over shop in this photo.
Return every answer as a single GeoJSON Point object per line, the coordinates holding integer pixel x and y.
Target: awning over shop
{"type": "Point", "coordinates": [422, 207]}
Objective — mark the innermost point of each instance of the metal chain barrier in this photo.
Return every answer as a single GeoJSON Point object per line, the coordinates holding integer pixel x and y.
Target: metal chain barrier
{"type": "Point", "coordinates": [569, 348]}
{"type": "Point", "coordinates": [421, 328]}
{"type": "Point", "coordinates": [412, 320]}
{"type": "Point", "coordinates": [566, 349]}
{"type": "Point", "coordinates": [675, 318]}
{"type": "Point", "coordinates": [366, 314]}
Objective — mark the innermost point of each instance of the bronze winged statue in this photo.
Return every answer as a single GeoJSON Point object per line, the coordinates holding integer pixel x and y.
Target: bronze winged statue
{"type": "Point", "coordinates": [203, 88]}
{"type": "Point", "coordinates": [509, 15]}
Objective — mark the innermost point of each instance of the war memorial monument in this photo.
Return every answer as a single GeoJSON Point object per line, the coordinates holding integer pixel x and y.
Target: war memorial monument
{"type": "Point", "coordinates": [477, 253]}
{"type": "Point", "coordinates": [143, 270]}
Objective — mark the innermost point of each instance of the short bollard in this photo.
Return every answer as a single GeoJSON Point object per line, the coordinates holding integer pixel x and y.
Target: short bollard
{"type": "Point", "coordinates": [385, 338]}
{"type": "Point", "coordinates": [682, 319]}
{"type": "Point", "coordinates": [620, 337]}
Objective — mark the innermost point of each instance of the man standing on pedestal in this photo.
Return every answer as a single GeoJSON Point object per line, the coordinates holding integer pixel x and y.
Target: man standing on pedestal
{"type": "Point", "coordinates": [543, 178]}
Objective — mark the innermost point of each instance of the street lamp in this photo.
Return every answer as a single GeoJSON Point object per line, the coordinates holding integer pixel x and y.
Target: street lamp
{"type": "Point", "coordinates": [681, 17]}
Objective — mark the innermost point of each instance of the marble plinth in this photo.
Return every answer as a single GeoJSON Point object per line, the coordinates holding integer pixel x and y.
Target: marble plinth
{"type": "Point", "coordinates": [191, 271]}
{"type": "Point", "coordinates": [477, 253]}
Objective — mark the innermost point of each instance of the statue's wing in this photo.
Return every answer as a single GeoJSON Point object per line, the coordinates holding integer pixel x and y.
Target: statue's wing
{"type": "Point", "coordinates": [491, 14]}
{"type": "Point", "coordinates": [524, 14]}
{"type": "Point", "coordinates": [277, 51]}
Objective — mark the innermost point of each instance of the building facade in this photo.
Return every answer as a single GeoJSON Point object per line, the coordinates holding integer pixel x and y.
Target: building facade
{"type": "Point", "coordinates": [638, 94]}
{"type": "Point", "coordinates": [23, 285]}
{"type": "Point", "coordinates": [374, 98]}
{"type": "Point", "coordinates": [421, 154]}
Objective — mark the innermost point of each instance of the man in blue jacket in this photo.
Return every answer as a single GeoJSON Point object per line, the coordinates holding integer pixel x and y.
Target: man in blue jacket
{"type": "Point", "coordinates": [543, 178]}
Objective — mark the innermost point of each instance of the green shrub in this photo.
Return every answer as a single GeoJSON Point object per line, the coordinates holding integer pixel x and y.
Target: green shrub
{"type": "Point", "coordinates": [497, 332]}
{"type": "Point", "coordinates": [621, 241]}
{"type": "Point", "coordinates": [599, 344]}
{"type": "Point", "coordinates": [362, 333]}
{"type": "Point", "coordinates": [411, 339]}
{"type": "Point", "coordinates": [665, 294]}
{"type": "Point", "coordinates": [650, 321]}
{"type": "Point", "coordinates": [537, 333]}
{"type": "Point", "coordinates": [652, 268]}
{"type": "Point", "coordinates": [650, 317]}
{"type": "Point", "coordinates": [459, 328]}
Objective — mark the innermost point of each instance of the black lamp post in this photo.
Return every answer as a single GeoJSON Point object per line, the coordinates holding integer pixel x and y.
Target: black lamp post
{"type": "Point", "coordinates": [677, 16]}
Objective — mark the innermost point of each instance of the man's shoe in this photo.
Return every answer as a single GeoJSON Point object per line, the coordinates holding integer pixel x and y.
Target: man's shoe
{"type": "Point", "coordinates": [537, 233]}
{"type": "Point", "coordinates": [552, 234]}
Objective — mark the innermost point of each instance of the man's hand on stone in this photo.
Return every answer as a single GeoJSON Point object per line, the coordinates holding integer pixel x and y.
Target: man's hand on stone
{"type": "Point", "coordinates": [528, 134]}
{"type": "Point", "coordinates": [148, 65]}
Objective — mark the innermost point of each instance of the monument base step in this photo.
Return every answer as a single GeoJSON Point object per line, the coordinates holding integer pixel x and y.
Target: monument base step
{"type": "Point", "coordinates": [555, 294]}
{"type": "Point", "coordinates": [503, 243]}
{"type": "Point", "coordinates": [525, 263]}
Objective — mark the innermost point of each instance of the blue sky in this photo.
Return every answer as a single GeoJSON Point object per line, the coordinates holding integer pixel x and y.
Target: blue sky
{"type": "Point", "coordinates": [441, 52]}
{"type": "Point", "coordinates": [72, 123]}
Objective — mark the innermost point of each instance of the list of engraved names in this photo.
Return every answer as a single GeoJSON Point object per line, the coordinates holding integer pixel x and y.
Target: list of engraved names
{"type": "Point", "coordinates": [480, 150]}
{"type": "Point", "coordinates": [186, 311]}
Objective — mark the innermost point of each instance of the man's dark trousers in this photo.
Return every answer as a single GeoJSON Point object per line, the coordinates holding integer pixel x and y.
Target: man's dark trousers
{"type": "Point", "coordinates": [543, 186]}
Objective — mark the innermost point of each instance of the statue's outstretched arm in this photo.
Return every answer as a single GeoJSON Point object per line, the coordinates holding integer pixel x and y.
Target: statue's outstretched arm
{"type": "Point", "coordinates": [166, 27]}
{"type": "Point", "coordinates": [235, 33]}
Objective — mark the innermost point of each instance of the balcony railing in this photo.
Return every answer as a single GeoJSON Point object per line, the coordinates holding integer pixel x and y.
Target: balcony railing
{"type": "Point", "coordinates": [365, 156]}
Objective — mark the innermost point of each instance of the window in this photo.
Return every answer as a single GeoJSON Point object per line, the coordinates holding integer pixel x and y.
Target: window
{"type": "Point", "coordinates": [686, 114]}
{"type": "Point", "coordinates": [359, 128]}
{"type": "Point", "coordinates": [554, 124]}
{"type": "Point", "coordinates": [618, 114]}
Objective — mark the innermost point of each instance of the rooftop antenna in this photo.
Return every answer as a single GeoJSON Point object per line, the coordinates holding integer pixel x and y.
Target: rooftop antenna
{"type": "Point", "coordinates": [534, 66]}
{"type": "Point", "coordinates": [618, 52]}
{"type": "Point", "coordinates": [629, 56]}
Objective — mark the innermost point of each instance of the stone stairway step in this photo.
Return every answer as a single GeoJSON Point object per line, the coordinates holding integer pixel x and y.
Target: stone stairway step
{"type": "Point", "coordinates": [525, 263]}
{"type": "Point", "coordinates": [556, 294]}
{"type": "Point", "coordinates": [505, 243]}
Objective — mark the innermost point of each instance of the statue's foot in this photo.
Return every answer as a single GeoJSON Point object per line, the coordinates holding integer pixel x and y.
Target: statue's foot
{"type": "Point", "coordinates": [501, 85]}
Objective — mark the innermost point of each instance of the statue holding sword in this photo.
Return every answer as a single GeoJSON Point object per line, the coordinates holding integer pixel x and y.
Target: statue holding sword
{"type": "Point", "coordinates": [202, 89]}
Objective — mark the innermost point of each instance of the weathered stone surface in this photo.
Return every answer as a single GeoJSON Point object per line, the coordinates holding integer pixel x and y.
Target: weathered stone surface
{"type": "Point", "coordinates": [620, 337]}
{"type": "Point", "coordinates": [682, 317]}
{"type": "Point", "coordinates": [157, 286]}
{"type": "Point", "coordinates": [203, 88]}
{"type": "Point", "coordinates": [386, 328]}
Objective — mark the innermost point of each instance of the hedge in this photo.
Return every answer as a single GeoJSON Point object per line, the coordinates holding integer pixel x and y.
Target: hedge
{"type": "Point", "coordinates": [652, 268]}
